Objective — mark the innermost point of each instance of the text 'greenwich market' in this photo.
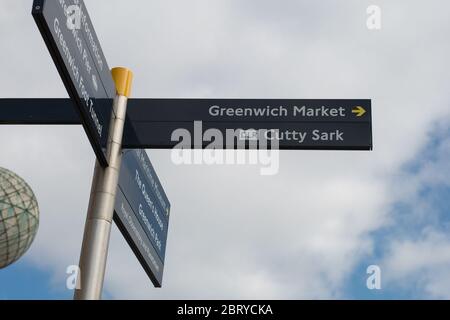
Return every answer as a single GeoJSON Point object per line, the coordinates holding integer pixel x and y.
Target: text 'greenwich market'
{"type": "Point", "coordinates": [282, 111]}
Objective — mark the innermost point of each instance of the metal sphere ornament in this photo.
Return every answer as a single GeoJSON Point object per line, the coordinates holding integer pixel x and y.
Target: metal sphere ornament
{"type": "Point", "coordinates": [19, 217]}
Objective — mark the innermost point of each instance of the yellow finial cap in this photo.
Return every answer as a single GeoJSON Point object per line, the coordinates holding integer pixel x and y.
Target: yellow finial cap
{"type": "Point", "coordinates": [123, 78]}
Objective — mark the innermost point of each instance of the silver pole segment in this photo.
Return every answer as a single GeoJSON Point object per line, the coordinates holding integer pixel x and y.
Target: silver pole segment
{"type": "Point", "coordinates": [97, 230]}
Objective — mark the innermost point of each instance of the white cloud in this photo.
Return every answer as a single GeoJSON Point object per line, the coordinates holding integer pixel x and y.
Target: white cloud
{"type": "Point", "coordinates": [233, 233]}
{"type": "Point", "coordinates": [422, 264]}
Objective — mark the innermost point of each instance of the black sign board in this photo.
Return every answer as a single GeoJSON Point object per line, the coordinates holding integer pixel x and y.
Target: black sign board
{"type": "Point", "coordinates": [294, 124]}
{"type": "Point", "coordinates": [70, 37]}
{"type": "Point", "coordinates": [301, 124]}
{"type": "Point", "coordinates": [38, 112]}
{"type": "Point", "coordinates": [142, 212]}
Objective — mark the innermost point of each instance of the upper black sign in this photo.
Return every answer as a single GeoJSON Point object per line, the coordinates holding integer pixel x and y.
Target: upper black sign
{"type": "Point", "coordinates": [250, 110]}
{"type": "Point", "coordinates": [70, 37]}
{"type": "Point", "coordinates": [293, 124]}
{"type": "Point", "coordinates": [157, 123]}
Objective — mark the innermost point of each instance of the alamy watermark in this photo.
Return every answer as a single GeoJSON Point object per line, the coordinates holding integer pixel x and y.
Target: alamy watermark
{"type": "Point", "coordinates": [73, 280]}
{"type": "Point", "coordinates": [374, 280]}
{"type": "Point", "coordinates": [227, 147]}
{"type": "Point", "coordinates": [373, 17]}
{"type": "Point", "coordinates": [73, 13]}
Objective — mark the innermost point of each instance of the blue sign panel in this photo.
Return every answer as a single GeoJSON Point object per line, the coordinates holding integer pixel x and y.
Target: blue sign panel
{"type": "Point", "coordinates": [131, 228]}
{"type": "Point", "coordinates": [142, 212]}
{"type": "Point", "coordinates": [146, 197]}
{"type": "Point", "coordinates": [70, 37]}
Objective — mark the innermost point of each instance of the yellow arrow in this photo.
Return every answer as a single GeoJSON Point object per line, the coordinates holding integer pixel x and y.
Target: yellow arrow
{"type": "Point", "coordinates": [359, 111]}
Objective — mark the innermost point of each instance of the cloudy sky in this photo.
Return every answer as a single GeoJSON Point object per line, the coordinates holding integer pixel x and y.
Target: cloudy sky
{"type": "Point", "coordinates": [310, 231]}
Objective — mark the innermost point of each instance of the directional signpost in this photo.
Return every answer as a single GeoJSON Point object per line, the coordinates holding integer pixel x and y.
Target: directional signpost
{"type": "Point", "coordinates": [125, 185]}
{"type": "Point", "coordinates": [101, 102]}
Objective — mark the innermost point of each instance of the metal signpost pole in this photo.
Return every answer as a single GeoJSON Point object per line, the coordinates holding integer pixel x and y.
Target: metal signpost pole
{"type": "Point", "coordinates": [97, 230]}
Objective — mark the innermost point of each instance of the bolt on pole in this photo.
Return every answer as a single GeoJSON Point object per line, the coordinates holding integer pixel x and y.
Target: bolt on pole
{"type": "Point", "coordinates": [94, 250]}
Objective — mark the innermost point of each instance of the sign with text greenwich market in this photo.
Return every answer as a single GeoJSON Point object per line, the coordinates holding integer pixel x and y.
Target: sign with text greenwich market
{"type": "Point", "coordinates": [73, 44]}
{"type": "Point", "coordinates": [295, 124]}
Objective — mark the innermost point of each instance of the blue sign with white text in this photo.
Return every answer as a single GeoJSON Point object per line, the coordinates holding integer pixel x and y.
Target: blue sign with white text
{"type": "Point", "coordinates": [142, 210]}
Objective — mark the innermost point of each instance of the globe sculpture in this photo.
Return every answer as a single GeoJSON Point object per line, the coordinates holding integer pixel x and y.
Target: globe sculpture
{"type": "Point", "coordinates": [19, 217]}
